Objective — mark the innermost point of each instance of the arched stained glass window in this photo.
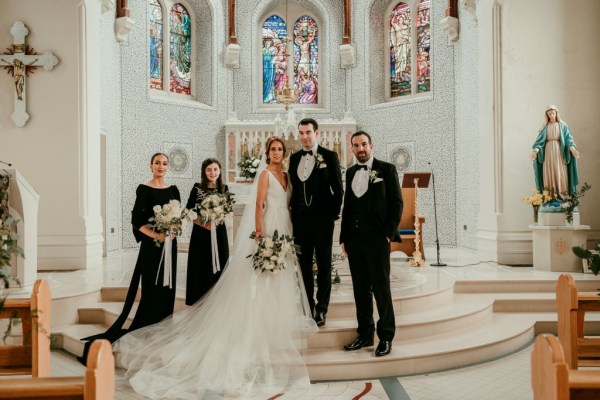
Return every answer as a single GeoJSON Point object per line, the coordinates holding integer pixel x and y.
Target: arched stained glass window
{"type": "Point", "coordinates": [306, 60]}
{"type": "Point", "coordinates": [273, 56]}
{"type": "Point", "coordinates": [400, 49]}
{"type": "Point", "coordinates": [423, 47]}
{"type": "Point", "coordinates": [180, 49]}
{"type": "Point", "coordinates": [156, 44]}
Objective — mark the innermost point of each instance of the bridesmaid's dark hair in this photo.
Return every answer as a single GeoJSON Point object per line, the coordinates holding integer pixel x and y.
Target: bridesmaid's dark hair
{"type": "Point", "coordinates": [268, 147]}
{"type": "Point", "coordinates": [156, 155]}
{"type": "Point", "coordinates": [204, 178]}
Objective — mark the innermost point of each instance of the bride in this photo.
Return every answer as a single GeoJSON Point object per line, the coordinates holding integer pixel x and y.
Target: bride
{"type": "Point", "coordinates": [243, 337]}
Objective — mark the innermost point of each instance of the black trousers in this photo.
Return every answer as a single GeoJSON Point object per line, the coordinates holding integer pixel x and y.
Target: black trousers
{"type": "Point", "coordinates": [314, 234]}
{"type": "Point", "coordinates": [369, 259]}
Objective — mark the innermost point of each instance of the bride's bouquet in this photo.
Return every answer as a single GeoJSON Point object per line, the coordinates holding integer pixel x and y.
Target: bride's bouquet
{"type": "Point", "coordinates": [272, 252]}
{"type": "Point", "coordinates": [214, 206]}
{"type": "Point", "coordinates": [170, 219]}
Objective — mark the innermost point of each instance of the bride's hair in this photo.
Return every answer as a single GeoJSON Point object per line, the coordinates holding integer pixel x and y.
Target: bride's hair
{"type": "Point", "coordinates": [268, 147]}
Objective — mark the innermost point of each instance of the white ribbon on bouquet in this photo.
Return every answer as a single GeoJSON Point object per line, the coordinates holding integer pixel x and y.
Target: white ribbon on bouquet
{"type": "Point", "coordinates": [167, 265]}
{"type": "Point", "coordinates": [214, 246]}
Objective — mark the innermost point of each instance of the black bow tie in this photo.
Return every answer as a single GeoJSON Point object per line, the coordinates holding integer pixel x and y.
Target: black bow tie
{"type": "Point", "coordinates": [358, 166]}
{"type": "Point", "coordinates": [305, 152]}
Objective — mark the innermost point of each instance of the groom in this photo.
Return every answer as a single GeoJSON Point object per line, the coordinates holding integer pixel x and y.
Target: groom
{"type": "Point", "coordinates": [317, 194]}
{"type": "Point", "coordinates": [372, 211]}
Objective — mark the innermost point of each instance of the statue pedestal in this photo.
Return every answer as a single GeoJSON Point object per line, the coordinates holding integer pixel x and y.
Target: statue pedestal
{"type": "Point", "coordinates": [552, 246]}
{"type": "Point", "coordinates": [556, 219]}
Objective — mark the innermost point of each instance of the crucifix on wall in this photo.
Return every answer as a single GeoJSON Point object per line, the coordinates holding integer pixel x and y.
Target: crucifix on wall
{"type": "Point", "coordinates": [20, 61]}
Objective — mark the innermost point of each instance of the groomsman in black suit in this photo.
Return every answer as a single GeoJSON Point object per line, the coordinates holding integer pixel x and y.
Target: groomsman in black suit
{"type": "Point", "coordinates": [317, 194]}
{"type": "Point", "coordinates": [372, 211]}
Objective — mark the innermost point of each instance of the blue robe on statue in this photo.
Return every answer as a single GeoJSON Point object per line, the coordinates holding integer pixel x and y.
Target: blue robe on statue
{"type": "Point", "coordinates": [566, 141]}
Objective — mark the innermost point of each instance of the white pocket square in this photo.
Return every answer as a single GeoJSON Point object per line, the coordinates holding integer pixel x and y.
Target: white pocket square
{"type": "Point", "coordinates": [378, 180]}
{"type": "Point", "coordinates": [322, 165]}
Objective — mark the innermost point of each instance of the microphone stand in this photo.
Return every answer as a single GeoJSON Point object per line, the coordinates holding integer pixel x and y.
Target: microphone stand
{"type": "Point", "coordinates": [437, 239]}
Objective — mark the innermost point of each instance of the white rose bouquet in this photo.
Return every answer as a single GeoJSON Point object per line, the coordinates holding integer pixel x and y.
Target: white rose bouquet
{"type": "Point", "coordinates": [248, 167]}
{"type": "Point", "coordinates": [272, 252]}
{"type": "Point", "coordinates": [170, 219]}
{"type": "Point", "coordinates": [214, 206]}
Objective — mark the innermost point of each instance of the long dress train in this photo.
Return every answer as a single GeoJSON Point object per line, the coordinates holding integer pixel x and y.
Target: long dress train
{"type": "Point", "coordinates": [243, 337]}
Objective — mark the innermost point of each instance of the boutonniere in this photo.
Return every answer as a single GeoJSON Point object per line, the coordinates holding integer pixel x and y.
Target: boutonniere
{"type": "Point", "coordinates": [319, 159]}
{"type": "Point", "coordinates": [374, 176]}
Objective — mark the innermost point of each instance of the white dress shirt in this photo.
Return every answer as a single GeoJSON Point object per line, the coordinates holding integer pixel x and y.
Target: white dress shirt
{"type": "Point", "coordinates": [360, 182]}
{"type": "Point", "coordinates": [307, 164]}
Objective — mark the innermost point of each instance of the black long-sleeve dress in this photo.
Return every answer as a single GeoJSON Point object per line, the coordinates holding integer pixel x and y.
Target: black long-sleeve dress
{"type": "Point", "coordinates": [200, 276]}
{"type": "Point", "coordinates": [157, 301]}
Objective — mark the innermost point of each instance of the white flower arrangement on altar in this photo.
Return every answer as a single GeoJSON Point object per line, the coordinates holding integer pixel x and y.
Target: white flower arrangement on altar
{"type": "Point", "coordinates": [248, 167]}
{"type": "Point", "coordinates": [170, 219]}
{"type": "Point", "coordinates": [272, 252]}
{"type": "Point", "coordinates": [214, 206]}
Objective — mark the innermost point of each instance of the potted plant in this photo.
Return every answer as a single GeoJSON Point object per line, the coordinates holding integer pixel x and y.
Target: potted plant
{"type": "Point", "coordinates": [591, 258]}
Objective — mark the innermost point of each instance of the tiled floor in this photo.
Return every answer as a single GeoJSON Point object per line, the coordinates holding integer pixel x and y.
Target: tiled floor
{"type": "Point", "coordinates": [505, 378]}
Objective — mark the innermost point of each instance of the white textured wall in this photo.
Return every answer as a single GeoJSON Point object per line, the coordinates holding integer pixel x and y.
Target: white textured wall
{"type": "Point", "coordinates": [426, 124]}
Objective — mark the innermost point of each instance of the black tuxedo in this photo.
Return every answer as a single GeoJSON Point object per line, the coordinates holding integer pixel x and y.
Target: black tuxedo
{"type": "Point", "coordinates": [368, 223]}
{"type": "Point", "coordinates": [315, 205]}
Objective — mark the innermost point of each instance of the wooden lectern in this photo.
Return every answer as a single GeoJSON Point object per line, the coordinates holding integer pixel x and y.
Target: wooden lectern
{"type": "Point", "coordinates": [411, 224]}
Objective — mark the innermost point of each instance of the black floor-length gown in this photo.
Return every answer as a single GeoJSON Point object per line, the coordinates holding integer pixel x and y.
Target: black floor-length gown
{"type": "Point", "coordinates": [200, 276]}
{"type": "Point", "coordinates": [157, 301]}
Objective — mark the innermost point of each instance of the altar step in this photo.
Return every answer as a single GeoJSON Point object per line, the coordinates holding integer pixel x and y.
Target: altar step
{"type": "Point", "coordinates": [438, 326]}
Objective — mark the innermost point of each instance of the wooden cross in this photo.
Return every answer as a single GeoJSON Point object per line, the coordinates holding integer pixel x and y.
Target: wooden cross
{"type": "Point", "coordinates": [19, 62]}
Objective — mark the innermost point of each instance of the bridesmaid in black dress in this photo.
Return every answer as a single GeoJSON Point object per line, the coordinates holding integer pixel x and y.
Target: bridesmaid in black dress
{"type": "Point", "coordinates": [200, 276]}
{"type": "Point", "coordinates": [157, 301]}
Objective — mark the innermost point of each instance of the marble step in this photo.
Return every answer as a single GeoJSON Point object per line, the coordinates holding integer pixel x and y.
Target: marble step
{"type": "Point", "coordinates": [500, 336]}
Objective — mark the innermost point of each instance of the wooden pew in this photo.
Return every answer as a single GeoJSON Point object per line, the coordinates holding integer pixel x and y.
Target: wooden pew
{"type": "Point", "coordinates": [551, 377]}
{"type": "Point", "coordinates": [407, 226]}
{"type": "Point", "coordinates": [32, 357]}
{"type": "Point", "coordinates": [98, 383]}
{"type": "Point", "coordinates": [571, 306]}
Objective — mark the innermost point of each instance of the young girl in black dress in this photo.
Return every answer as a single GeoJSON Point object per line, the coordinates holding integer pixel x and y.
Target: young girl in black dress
{"type": "Point", "coordinates": [157, 301]}
{"type": "Point", "coordinates": [200, 275]}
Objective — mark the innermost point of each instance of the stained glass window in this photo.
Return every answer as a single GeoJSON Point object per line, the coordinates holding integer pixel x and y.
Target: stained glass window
{"type": "Point", "coordinates": [156, 41]}
{"type": "Point", "coordinates": [423, 47]}
{"type": "Point", "coordinates": [400, 45]}
{"type": "Point", "coordinates": [180, 49]}
{"type": "Point", "coordinates": [273, 56]}
{"type": "Point", "coordinates": [306, 60]}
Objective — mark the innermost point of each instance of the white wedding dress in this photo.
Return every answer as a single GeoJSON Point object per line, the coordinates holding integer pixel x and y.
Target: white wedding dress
{"type": "Point", "coordinates": [242, 340]}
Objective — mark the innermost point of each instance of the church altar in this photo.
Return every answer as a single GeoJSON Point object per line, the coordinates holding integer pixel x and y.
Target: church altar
{"type": "Point", "coordinates": [247, 138]}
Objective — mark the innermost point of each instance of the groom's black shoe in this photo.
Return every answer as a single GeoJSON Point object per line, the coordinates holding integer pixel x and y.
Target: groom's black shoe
{"type": "Point", "coordinates": [383, 348]}
{"type": "Point", "coordinates": [359, 343]}
{"type": "Point", "coordinates": [320, 318]}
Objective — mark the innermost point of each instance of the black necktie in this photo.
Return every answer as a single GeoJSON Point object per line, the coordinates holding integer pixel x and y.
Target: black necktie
{"type": "Point", "coordinates": [304, 152]}
{"type": "Point", "coordinates": [361, 166]}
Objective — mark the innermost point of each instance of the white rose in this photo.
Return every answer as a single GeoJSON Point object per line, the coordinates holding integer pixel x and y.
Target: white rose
{"type": "Point", "coordinates": [252, 170]}
{"type": "Point", "coordinates": [156, 208]}
{"type": "Point", "coordinates": [268, 253]}
{"type": "Point", "coordinates": [4, 247]}
{"type": "Point", "coordinates": [166, 209]}
{"type": "Point", "coordinates": [269, 243]}
{"type": "Point", "coordinates": [273, 258]}
{"type": "Point", "coordinates": [255, 163]}
{"type": "Point", "coordinates": [192, 215]}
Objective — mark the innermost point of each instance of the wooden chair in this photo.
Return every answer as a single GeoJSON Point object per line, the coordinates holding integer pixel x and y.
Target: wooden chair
{"type": "Point", "coordinates": [551, 377]}
{"type": "Point", "coordinates": [98, 383]}
{"type": "Point", "coordinates": [571, 306]}
{"type": "Point", "coordinates": [407, 226]}
{"type": "Point", "coordinates": [32, 357]}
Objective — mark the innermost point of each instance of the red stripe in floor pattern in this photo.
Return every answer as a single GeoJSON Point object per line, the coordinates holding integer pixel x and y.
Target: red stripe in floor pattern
{"type": "Point", "coordinates": [368, 387]}
{"type": "Point", "coordinates": [276, 396]}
